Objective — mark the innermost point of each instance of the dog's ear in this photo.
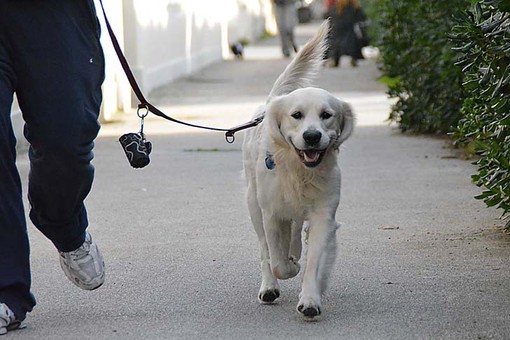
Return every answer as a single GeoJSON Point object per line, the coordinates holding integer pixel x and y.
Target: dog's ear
{"type": "Point", "coordinates": [345, 124]}
{"type": "Point", "coordinates": [273, 117]}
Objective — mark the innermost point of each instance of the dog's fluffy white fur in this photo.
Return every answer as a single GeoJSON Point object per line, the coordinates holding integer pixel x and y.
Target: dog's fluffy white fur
{"type": "Point", "coordinates": [293, 177]}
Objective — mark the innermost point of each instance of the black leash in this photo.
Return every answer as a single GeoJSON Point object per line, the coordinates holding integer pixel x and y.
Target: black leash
{"type": "Point", "coordinates": [148, 107]}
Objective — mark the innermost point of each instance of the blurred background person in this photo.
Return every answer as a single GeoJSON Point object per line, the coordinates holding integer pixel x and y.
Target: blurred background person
{"type": "Point", "coordinates": [286, 20]}
{"type": "Point", "coordinates": [347, 35]}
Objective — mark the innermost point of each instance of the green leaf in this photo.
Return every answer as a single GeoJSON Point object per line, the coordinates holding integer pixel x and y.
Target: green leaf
{"type": "Point", "coordinates": [493, 201]}
{"type": "Point", "coordinates": [484, 195]}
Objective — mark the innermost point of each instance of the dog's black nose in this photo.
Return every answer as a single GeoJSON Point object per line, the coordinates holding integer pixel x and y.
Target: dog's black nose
{"type": "Point", "coordinates": [312, 137]}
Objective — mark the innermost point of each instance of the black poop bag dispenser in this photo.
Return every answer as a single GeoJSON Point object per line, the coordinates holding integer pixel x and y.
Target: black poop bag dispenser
{"type": "Point", "coordinates": [136, 147]}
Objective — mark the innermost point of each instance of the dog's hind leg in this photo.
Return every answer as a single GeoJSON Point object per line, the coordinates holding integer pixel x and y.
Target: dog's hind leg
{"type": "Point", "coordinates": [320, 257]}
{"type": "Point", "coordinates": [269, 288]}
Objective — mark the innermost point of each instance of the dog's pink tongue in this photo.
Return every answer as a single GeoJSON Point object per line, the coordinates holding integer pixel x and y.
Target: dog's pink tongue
{"type": "Point", "coordinates": [311, 156]}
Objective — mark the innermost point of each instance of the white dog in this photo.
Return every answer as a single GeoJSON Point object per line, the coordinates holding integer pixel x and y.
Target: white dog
{"type": "Point", "coordinates": [290, 163]}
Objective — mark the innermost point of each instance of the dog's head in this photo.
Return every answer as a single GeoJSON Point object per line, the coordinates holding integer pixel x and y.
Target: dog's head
{"type": "Point", "coordinates": [311, 121]}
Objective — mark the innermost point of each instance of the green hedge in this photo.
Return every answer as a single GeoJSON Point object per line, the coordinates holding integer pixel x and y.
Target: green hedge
{"type": "Point", "coordinates": [448, 65]}
{"type": "Point", "coordinates": [482, 38]}
{"type": "Point", "coordinates": [418, 63]}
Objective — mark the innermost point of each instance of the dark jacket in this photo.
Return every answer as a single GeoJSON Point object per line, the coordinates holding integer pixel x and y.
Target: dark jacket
{"type": "Point", "coordinates": [343, 36]}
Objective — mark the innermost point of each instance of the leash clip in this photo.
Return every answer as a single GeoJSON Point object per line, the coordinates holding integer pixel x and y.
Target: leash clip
{"type": "Point", "coordinates": [229, 135]}
{"type": "Point", "coordinates": [140, 113]}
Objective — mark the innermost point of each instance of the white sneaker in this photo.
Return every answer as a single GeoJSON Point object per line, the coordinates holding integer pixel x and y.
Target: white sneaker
{"type": "Point", "coordinates": [84, 266]}
{"type": "Point", "coordinates": [8, 320]}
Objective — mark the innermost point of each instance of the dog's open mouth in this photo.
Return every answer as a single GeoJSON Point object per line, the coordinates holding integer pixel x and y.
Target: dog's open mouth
{"type": "Point", "coordinates": [311, 158]}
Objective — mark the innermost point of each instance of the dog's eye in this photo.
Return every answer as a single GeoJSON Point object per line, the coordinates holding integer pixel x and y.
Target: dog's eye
{"type": "Point", "coordinates": [325, 115]}
{"type": "Point", "coordinates": [297, 115]}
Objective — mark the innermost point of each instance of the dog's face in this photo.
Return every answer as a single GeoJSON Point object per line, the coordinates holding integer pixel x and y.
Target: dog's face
{"type": "Point", "coordinates": [312, 121]}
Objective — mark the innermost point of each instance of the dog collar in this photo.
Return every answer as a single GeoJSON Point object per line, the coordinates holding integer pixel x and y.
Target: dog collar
{"type": "Point", "coordinates": [270, 165]}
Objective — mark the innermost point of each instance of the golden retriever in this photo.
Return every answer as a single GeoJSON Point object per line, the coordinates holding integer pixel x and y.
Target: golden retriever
{"type": "Point", "coordinates": [293, 177]}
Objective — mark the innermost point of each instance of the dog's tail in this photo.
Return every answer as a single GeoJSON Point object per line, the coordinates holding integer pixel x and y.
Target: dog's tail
{"type": "Point", "coordinates": [307, 63]}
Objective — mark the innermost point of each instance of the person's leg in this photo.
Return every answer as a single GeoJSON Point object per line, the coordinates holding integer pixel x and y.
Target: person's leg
{"type": "Point", "coordinates": [282, 25]}
{"type": "Point", "coordinates": [14, 247]}
{"type": "Point", "coordinates": [60, 68]}
{"type": "Point", "coordinates": [291, 20]}
{"type": "Point", "coordinates": [334, 41]}
{"type": "Point", "coordinates": [335, 53]}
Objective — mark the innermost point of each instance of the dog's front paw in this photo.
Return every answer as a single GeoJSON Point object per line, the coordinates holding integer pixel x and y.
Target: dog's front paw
{"type": "Point", "coordinates": [286, 270]}
{"type": "Point", "coordinates": [309, 307]}
{"type": "Point", "coordinates": [268, 296]}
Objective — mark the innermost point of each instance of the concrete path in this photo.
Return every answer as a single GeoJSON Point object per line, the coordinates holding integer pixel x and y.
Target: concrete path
{"type": "Point", "coordinates": [419, 257]}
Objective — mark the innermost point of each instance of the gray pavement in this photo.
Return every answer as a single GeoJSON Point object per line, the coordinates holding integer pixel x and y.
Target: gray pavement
{"type": "Point", "coordinates": [419, 258]}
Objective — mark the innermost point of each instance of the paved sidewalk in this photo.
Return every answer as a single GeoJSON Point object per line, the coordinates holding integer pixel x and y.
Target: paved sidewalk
{"type": "Point", "coordinates": [419, 258]}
